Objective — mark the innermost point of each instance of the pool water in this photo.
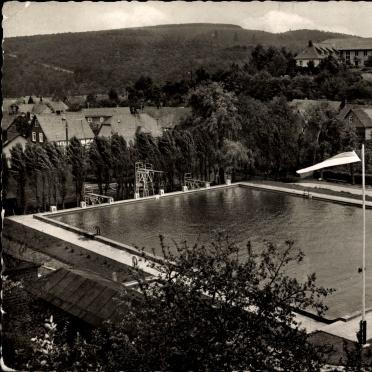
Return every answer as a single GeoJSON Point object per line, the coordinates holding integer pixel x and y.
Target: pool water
{"type": "Point", "coordinates": [329, 234]}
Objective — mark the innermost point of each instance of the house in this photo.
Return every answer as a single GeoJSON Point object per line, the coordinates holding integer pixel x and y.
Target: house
{"type": "Point", "coordinates": [354, 51]}
{"type": "Point", "coordinates": [361, 117]}
{"type": "Point", "coordinates": [127, 125]}
{"type": "Point", "coordinates": [9, 144]}
{"type": "Point", "coordinates": [61, 128]}
{"type": "Point", "coordinates": [41, 108]}
{"type": "Point", "coordinates": [315, 53]}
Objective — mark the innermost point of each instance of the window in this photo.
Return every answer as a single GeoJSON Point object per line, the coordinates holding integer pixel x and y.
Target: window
{"type": "Point", "coordinates": [36, 123]}
{"type": "Point", "coordinates": [89, 120]}
{"type": "Point", "coordinates": [41, 137]}
{"type": "Point", "coordinates": [33, 137]}
{"type": "Point", "coordinates": [101, 119]}
{"type": "Point", "coordinates": [300, 63]}
{"type": "Point", "coordinates": [348, 53]}
{"type": "Point", "coordinates": [365, 53]}
{"type": "Point", "coordinates": [356, 52]}
{"type": "Point", "coordinates": [351, 118]}
{"type": "Point", "coordinates": [368, 134]}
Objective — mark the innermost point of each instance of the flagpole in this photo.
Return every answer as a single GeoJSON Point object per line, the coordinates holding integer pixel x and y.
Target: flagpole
{"type": "Point", "coordinates": [364, 322]}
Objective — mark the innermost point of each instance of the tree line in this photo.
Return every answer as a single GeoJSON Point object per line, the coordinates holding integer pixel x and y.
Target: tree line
{"type": "Point", "coordinates": [263, 73]}
{"type": "Point", "coordinates": [226, 135]}
{"type": "Point", "coordinates": [270, 72]}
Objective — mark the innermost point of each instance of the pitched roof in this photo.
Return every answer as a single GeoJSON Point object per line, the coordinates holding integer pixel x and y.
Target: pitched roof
{"type": "Point", "coordinates": [313, 52]}
{"type": "Point", "coordinates": [105, 111]}
{"type": "Point", "coordinates": [349, 43]}
{"type": "Point", "coordinates": [126, 125]}
{"type": "Point", "coordinates": [167, 117]}
{"type": "Point", "coordinates": [348, 107]}
{"type": "Point", "coordinates": [7, 120]}
{"type": "Point", "coordinates": [26, 107]}
{"type": "Point", "coordinates": [365, 117]}
{"type": "Point", "coordinates": [55, 130]}
{"type": "Point", "coordinates": [36, 99]}
{"type": "Point", "coordinates": [57, 106]}
{"type": "Point", "coordinates": [18, 137]}
{"type": "Point", "coordinates": [80, 293]}
{"type": "Point", "coordinates": [345, 110]}
{"type": "Point", "coordinates": [40, 108]}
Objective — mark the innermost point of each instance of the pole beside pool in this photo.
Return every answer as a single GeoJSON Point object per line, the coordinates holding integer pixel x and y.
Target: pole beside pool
{"type": "Point", "coordinates": [363, 323]}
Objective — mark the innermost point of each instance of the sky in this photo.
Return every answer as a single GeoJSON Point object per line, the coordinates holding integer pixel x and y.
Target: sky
{"type": "Point", "coordinates": [32, 18]}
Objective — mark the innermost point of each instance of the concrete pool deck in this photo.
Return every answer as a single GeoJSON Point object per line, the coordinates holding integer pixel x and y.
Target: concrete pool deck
{"type": "Point", "coordinates": [346, 328]}
{"type": "Point", "coordinates": [307, 194]}
{"type": "Point", "coordinates": [90, 245]}
{"type": "Point", "coordinates": [352, 189]}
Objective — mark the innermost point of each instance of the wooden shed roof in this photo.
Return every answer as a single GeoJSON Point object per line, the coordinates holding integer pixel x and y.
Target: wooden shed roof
{"type": "Point", "coordinates": [82, 294]}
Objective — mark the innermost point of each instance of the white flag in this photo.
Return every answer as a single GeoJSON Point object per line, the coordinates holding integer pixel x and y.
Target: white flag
{"type": "Point", "coordinates": [343, 158]}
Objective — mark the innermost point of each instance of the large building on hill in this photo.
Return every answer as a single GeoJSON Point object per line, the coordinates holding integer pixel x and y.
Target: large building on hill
{"type": "Point", "coordinates": [315, 53]}
{"type": "Point", "coordinates": [352, 51]}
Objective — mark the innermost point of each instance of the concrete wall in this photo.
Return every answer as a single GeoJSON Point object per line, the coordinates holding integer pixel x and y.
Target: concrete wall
{"type": "Point", "coordinates": [17, 239]}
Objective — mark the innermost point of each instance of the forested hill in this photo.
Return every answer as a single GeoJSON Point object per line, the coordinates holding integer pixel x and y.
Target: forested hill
{"type": "Point", "coordinates": [100, 60]}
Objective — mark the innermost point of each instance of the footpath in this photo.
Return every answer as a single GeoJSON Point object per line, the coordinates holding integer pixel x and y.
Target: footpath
{"type": "Point", "coordinates": [309, 194]}
{"type": "Point", "coordinates": [351, 189]}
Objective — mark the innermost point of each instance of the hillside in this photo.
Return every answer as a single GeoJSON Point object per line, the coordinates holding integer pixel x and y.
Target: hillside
{"type": "Point", "coordinates": [97, 61]}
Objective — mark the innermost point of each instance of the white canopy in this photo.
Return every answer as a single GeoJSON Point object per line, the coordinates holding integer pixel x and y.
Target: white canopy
{"type": "Point", "coordinates": [343, 158]}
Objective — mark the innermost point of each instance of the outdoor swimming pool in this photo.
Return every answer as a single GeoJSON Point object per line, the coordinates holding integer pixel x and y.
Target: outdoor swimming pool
{"type": "Point", "coordinates": [329, 234]}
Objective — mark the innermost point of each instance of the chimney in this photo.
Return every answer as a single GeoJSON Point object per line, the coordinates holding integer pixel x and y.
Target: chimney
{"type": "Point", "coordinates": [310, 43]}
